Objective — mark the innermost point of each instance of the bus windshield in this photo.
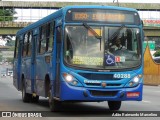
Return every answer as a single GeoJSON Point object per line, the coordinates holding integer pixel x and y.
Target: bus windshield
{"type": "Point", "coordinates": [102, 47]}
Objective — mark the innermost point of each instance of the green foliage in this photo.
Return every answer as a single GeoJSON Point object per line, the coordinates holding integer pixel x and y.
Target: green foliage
{"type": "Point", "coordinates": [11, 43]}
{"type": "Point", "coordinates": [10, 60]}
{"type": "Point", "coordinates": [157, 53]}
{"type": "Point", "coordinates": [7, 14]}
{"type": "Point", "coordinates": [0, 58]}
{"type": "Point", "coordinates": [11, 48]}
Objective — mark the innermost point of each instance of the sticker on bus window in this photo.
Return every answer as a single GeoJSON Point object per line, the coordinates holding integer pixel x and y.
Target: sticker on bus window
{"type": "Point", "coordinates": [98, 32]}
{"type": "Point", "coordinates": [81, 60]}
{"type": "Point", "coordinates": [120, 59]}
{"type": "Point", "coordinates": [110, 60]}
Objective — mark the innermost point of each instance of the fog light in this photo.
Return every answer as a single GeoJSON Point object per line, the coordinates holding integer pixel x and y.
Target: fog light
{"type": "Point", "coordinates": [131, 84]}
{"type": "Point", "coordinates": [74, 82]}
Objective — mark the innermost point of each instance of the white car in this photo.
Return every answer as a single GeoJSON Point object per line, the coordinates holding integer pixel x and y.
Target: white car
{"type": "Point", "coordinates": [3, 74]}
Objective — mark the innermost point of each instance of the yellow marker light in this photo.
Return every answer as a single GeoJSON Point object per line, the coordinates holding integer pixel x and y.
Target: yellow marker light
{"type": "Point", "coordinates": [140, 75]}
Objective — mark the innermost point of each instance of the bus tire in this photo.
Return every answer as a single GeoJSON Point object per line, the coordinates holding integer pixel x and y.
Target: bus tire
{"type": "Point", "coordinates": [26, 97]}
{"type": "Point", "coordinates": [114, 105]}
{"type": "Point", "coordinates": [35, 99]}
{"type": "Point", "coordinates": [54, 105]}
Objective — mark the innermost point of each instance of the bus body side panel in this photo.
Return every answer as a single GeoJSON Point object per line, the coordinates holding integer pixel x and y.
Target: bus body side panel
{"type": "Point", "coordinates": [33, 61]}
{"type": "Point", "coordinates": [15, 78]}
{"type": "Point", "coordinates": [26, 69]}
{"type": "Point", "coordinates": [58, 41]}
{"type": "Point", "coordinates": [17, 67]}
{"type": "Point", "coordinates": [42, 69]}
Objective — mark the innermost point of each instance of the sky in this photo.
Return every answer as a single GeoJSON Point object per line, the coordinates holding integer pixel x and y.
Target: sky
{"type": "Point", "coordinates": [126, 1]}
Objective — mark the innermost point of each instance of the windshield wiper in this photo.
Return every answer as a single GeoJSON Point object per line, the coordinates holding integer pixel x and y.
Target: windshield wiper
{"type": "Point", "coordinates": [93, 31]}
{"type": "Point", "coordinates": [117, 32]}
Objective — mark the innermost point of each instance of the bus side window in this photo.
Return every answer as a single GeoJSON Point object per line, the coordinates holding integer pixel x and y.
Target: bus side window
{"type": "Point", "coordinates": [25, 45]}
{"type": "Point", "coordinates": [29, 43]}
{"type": "Point", "coordinates": [50, 35]}
{"type": "Point", "coordinates": [42, 42]}
{"type": "Point", "coordinates": [16, 48]}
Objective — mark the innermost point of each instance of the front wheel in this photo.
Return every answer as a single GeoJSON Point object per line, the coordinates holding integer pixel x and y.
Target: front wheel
{"type": "Point", "coordinates": [25, 96]}
{"type": "Point", "coordinates": [35, 99]}
{"type": "Point", "coordinates": [54, 105]}
{"type": "Point", "coordinates": [114, 105]}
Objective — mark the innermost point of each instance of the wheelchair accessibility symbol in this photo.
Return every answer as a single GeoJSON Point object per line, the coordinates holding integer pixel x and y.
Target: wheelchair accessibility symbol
{"type": "Point", "coordinates": [110, 60]}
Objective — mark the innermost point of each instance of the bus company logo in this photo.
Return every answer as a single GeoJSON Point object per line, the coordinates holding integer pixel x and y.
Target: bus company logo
{"type": "Point", "coordinates": [92, 81]}
{"type": "Point", "coordinates": [103, 84]}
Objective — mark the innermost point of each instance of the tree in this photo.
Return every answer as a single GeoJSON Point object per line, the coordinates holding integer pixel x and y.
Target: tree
{"type": "Point", "coordinates": [7, 14]}
{"type": "Point", "coordinates": [1, 58]}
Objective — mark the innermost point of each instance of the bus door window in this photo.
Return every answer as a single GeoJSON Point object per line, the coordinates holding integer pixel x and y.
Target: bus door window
{"type": "Point", "coordinates": [48, 31]}
{"type": "Point", "coordinates": [42, 42]}
{"type": "Point", "coordinates": [73, 41]}
{"type": "Point", "coordinates": [50, 36]}
{"type": "Point", "coordinates": [47, 36]}
{"type": "Point", "coordinates": [16, 48]}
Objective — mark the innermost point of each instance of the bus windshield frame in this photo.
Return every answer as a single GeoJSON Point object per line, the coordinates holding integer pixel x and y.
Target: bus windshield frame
{"type": "Point", "coordinates": [81, 52]}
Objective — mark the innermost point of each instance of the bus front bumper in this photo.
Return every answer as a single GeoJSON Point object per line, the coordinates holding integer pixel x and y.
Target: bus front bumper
{"type": "Point", "coordinates": [72, 93]}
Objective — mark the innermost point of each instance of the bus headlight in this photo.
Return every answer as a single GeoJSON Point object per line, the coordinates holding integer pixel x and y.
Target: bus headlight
{"type": "Point", "coordinates": [71, 80]}
{"type": "Point", "coordinates": [136, 79]}
{"type": "Point", "coordinates": [68, 77]}
{"type": "Point", "coordinates": [134, 82]}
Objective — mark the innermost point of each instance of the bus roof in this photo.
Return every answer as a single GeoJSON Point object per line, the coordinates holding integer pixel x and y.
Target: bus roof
{"type": "Point", "coordinates": [100, 7]}
{"type": "Point", "coordinates": [63, 10]}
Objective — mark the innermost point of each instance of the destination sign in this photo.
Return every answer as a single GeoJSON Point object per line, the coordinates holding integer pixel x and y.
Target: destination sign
{"type": "Point", "coordinates": [98, 16]}
{"type": "Point", "coordinates": [102, 15]}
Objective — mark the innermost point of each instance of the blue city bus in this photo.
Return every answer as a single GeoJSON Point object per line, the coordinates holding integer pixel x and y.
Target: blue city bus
{"type": "Point", "coordinates": [72, 55]}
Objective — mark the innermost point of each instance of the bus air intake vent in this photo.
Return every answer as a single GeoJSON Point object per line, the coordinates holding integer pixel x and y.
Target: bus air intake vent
{"type": "Point", "coordinates": [103, 93]}
{"type": "Point", "coordinates": [99, 84]}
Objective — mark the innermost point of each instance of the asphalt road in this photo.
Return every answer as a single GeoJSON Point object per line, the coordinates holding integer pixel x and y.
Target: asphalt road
{"type": "Point", "coordinates": [10, 100]}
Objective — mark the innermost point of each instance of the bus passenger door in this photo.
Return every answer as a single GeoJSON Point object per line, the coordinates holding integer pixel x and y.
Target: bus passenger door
{"type": "Point", "coordinates": [17, 63]}
{"type": "Point", "coordinates": [33, 61]}
{"type": "Point", "coordinates": [58, 48]}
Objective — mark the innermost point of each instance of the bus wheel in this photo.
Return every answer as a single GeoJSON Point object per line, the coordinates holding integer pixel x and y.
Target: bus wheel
{"type": "Point", "coordinates": [35, 99]}
{"type": "Point", "coordinates": [25, 96]}
{"type": "Point", "coordinates": [114, 105]}
{"type": "Point", "coordinates": [54, 105]}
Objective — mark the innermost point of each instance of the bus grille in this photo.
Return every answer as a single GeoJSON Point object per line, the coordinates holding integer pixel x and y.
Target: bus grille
{"type": "Point", "coordinates": [99, 84]}
{"type": "Point", "coordinates": [94, 76]}
{"type": "Point", "coordinates": [103, 93]}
